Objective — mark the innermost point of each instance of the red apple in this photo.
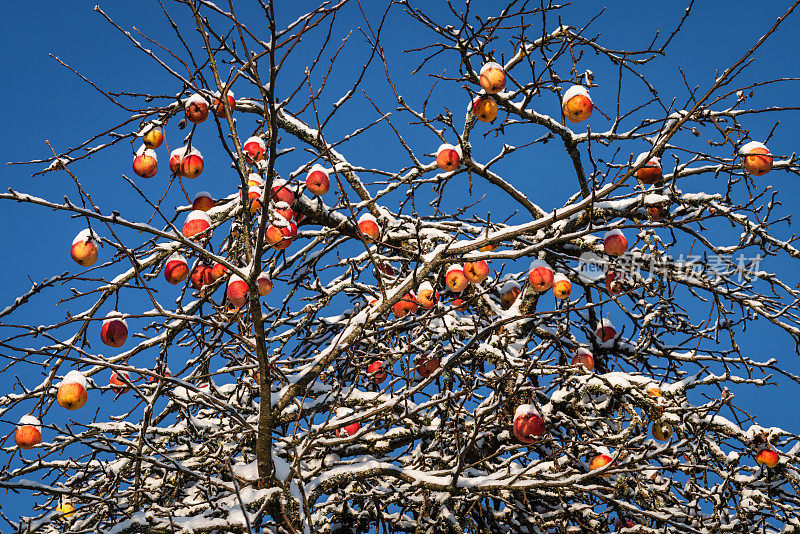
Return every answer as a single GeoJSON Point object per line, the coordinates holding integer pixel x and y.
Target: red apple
{"type": "Point", "coordinates": [201, 276]}
{"type": "Point", "coordinates": [614, 283]}
{"type": "Point", "coordinates": [72, 391]}
{"type": "Point", "coordinates": [584, 357]}
{"type": "Point", "coordinates": [196, 108]}
{"type": "Point", "coordinates": [218, 271]}
{"type": "Point", "coordinates": [576, 104]}
{"type": "Point", "coordinates": [600, 461]}
{"type": "Point", "coordinates": [484, 108]}
{"type": "Point", "coordinates": [756, 158]}
{"type": "Point", "coordinates": [528, 423]}
{"type": "Point", "coordinates": [605, 331]}
{"type": "Point", "coordinates": [404, 306]}
{"type": "Point", "coordinates": [84, 248]}
{"type": "Point", "coordinates": [255, 198]}
{"type": "Point", "coordinates": [460, 304]}
{"type": "Point", "coordinates": [283, 209]}
{"type": "Point", "coordinates": [349, 430]}
{"type": "Point", "coordinates": [476, 271]}
{"type": "Point", "coordinates": [376, 372]}
{"type": "Point", "coordinates": [768, 457]}
{"type": "Point", "coordinates": [281, 233]}
{"type": "Point", "coordinates": [264, 284]}
{"type": "Point", "coordinates": [114, 331]}
{"type": "Point", "coordinates": [651, 172]}
{"type": "Point", "coordinates": [509, 293]}
{"type": "Point", "coordinates": [614, 243]}
{"type": "Point", "coordinates": [145, 163]}
{"type": "Point", "coordinates": [118, 384]}
{"type": "Point", "coordinates": [28, 433]}
{"type": "Point", "coordinates": [255, 149]}
{"type": "Point", "coordinates": [455, 279]}
{"type": "Point", "coordinates": [540, 276]}
{"type": "Point", "coordinates": [203, 201]}
{"type": "Point", "coordinates": [448, 157]}
{"type": "Point", "coordinates": [254, 179]}
{"type": "Point", "coordinates": [237, 291]}
{"type": "Point", "coordinates": [176, 269]}
{"type": "Point", "coordinates": [175, 159]}
{"type": "Point", "coordinates": [657, 209]}
{"type": "Point", "coordinates": [153, 136]}
{"type": "Point", "coordinates": [192, 164]}
{"type": "Point", "coordinates": [317, 181]}
{"type": "Point", "coordinates": [562, 287]}
{"type": "Point", "coordinates": [426, 365]}
{"type": "Point", "coordinates": [197, 226]}
{"type": "Point", "coordinates": [281, 191]}
{"type": "Point", "coordinates": [219, 107]}
{"type": "Point", "coordinates": [369, 228]}
{"type": "Point", "coordinates": [427, 296]}
{"type": "Point", "coordinates": [493, 78]}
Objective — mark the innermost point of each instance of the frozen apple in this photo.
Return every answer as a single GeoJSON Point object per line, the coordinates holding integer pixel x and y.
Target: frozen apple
{"type": "Point", "coordinates": [426, 365]}
{"type": "Point", "coordinates": [203, 201]}
{"type": "Point", "coordinates": [264, 284]}
{"type": "Point", "coordinates": [460, 304]}
{"type": "Point", "coordinates": [66, 510]}
{"type": "Point", "coordinates": [349, 430]}
{"type": "Point", "coordinates": [369, 228]}
{"type": "Point", "coordinates": [528, 423]}
{"type": "Point", "coordinates": [175, 159]}
{"type": "Point", "coordinates": [218, 271]}
{"type": "Point", "coordinates": [455, 279]}
{"type": "Point", "coordinates": [253, 179]}
{"type": "Point", "coordinates": [484, 108]}
{"type": "Point", "coordinates": [255, 199]}
{"type": "Point", "coordinates": [28, 433]}
{"type": "Point", "coordinates": [196, 108]}
{"type": "Point", "coordinates": [255, 149]}
{"type": "Point", "coordinates": [281, 232]}
{"type": "Point", "coordinates": [284, 210]}
{"type": "Point", "coordinates": [662, 430]}
{"type": "Point", "coordinates": [192, 164]}
{"type": "Point", "coordinates": [562, 287]}
{"type": "Point", "coordinates": [317, 181]}
{"type": "Point", "coordinates": [153, 136]}
{"type": "Point", "coordinates": [576, 104]}
{"type": "Point", "coordinates": [493, 78]}
{"type": "Point", "coordinates": [614, 243]}
{"type": "Point", "coordinates": [448, 157]}
{"type": "Point", "coordinates": [84, 248]}
{"type": "Point", "coordinates": [145, 162]}
{"type": "Point", "coordinates": [768, 457]}
{"type": "Point", "coordinates": [476, 271]}
{"type": "Point", "coordinates": [72, 391]}
{"type": "Point", "coordinates": [237, 291]}
{"type": "Point", "coordinates": [197, 225]}
{"type": "Point", "coordinates": [219, 106]}
{"type": "Point", "coordinates": [114, 331]}
{"type": "Point", "coordinates": [117, 383]}
{"type": "Point", "coordinates": [376, 372]}
{"type": "Point", "coordinates": [600, 461]}
{"type": "Point", "coordinates": [583, 356]}
{"type": "Point", "coordinates": [281, 191]}
{"type": "Point", "coordinates": [756, 158]}
{"type": "Point", "coordinates": [614, 283]}
{"type": "Point", "coordinates": [509, 293]}
{"type": "Point", "coordinates": [427, 296]}
{"type": "Point", "coordinates": [653, 391]}
{"type": "Point", "coordinates": [201, 276]}
{"type": "Point", "coordinates": [605, 330]}
{"type": "Point", "coordinates": [176, 269]}
{"type": "Point", "coordinates": [540, 276]}
{"type": "Point", "coordinates": [657, 206]}
{"type": "Point", "coordinates": [404, 306]}
{"type": "Point", "coordinates": [651, 172]}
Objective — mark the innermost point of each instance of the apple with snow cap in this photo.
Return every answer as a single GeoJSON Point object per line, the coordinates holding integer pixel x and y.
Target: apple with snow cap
{"type": "Point", "coordinates": [369, 228]}
{"type": "Point", "coordinates": [175, 159]}
{"type": "Point", "coordinates": [28, 433]}
{"type": "Point", "coordinates": [196, 108]}
{"type": "Point", "coordinates": [376, 372]}
{"type": "Point", "coordinates": [657, 206]}
{"type": "Point", "coordinates": [197, 222]}
{"type": "Point", "coordinates": [237, 291]}
{"type": "Point", "coordinates": [605, 330]}
{"type": "Point", "coordinates": [145, 162]}
{"type": "Point", "coordinates": [219, 106]}
{"type": "Point", "coordinates": [493, 78]}
{"type": "Point", "coordinates": [202, 275]}
{"type": "Point", "coordinates": [768, 457]}
{"type": "Point", "coordinates": [484, 108]}
{"type": "Point", "coordinates": [756, 158]}
{"type": "Point", "coordinates": [584, 356]}
{"type": "Point", "coordinates": [317, 181]}
{"type": "Point", "coordinates": [448, 157]}
{"type": "Point", "coordinates": [192, 164]}
{"type": "Point", "coordinates": [114, 331]}
{"type": "Point", "coordinates": [153, 136]}
{"type": "Point", "coordinates": [404, 306]}
{"type": "Point", "coordinates": [281, 232]}
{"type": "Point", "coordinates": [176, 270]}
{"type": "Point", "coordinates": [255, 149]}
{"type": "Point", "coordinates": [651, 172]}
{"type": "Point", "coordinates": [203, 201]}
{"type": "Point", "coordinates": [427, 296]}
{"type": "Point", "coordinates": [264, 284]}
{"type": "Point", "coordinates": [614, 243]}
{"type": "Point", "coordinates": [455, 278]}
{"type": "Point", "coordinates": [349, 430]}
{"type": "Point", "coordinates": [255, 199]}
{"type": "Point", "coordinates": [84, 248]}
{"type": "Point", "coordinates": [284, 210]}
{"type": "Point", "coordinates": [540, 276]}
{"type": "Point", "coordinates": [426, 365]}
{"type": "Point", "coordinates": [117, 383]}
{"type": "Point", "coordinates": [600, 461]}
{"type": "Point", "coordinates": [509, 293]}
{"type": "Point", "coordinates": [653, 390]}
{"type": "Point", "coordinates": [255, 180]}
{"type": "Point", "coordinates": [66, 510]}
{"type": "Point", "coordinates": [476, 271]}
{"type": "Point", "coordinates": [662, 430]}
{"type": "Point", "coordinates": [281, 191]}
{"type": "Point", "coordinates": [614, 283]}
{"type": "Point", "coordinates": [72, 391]}
{"type": "Point", "coordinates": [562, 287]}
{"type": "Point", "coordinates": [576, 104]}
{"type": "Point", "coordinates": [528, 423]}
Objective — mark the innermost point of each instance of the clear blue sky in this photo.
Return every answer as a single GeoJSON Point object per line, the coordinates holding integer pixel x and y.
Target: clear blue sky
{"type": "Point", "coordinates": [44, 101]}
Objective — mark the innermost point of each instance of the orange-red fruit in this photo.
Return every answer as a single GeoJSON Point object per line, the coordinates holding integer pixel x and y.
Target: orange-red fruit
{"type": "Point", "coordinates": [489, 248]}
{"type": "Point", "coordinates": [427, 296]}
{"type": "Point", "coordinates": [203, 201]}
{"type": "Point", "coordinates": [84, 248]}
{"type": "Point", "coordinates": [196, 109]}
{"type": "Point", "coordinates": [426, 366]}
{"type": "Point", "coordinates": [117, 384]}
{"type": "Point", "coordinates": [455, 278]}
{"type": "Point", "coordinates": [201, 276]}
{"type": "Point", "coordinates": [768, 457]}
{"type": "Point", "coordinates": [662, 430]}
{"type": "Point", "coordinates": [404, 306]}
{"type": "Point", "coordinates": [219, 107]}
{"type": "Point", "coordinates": [651, 173]}
{"type": "Point", "coordinates": [196, 225]}
{"type": "Point", "coordinates": [605, 331]}
{"type": "Point", "coordinates": [509, 293]}
{"type": "Point", "coordinates": [264, 284]}
{"type": "Point", "coordinates": [153, 137]}
{"type": "Point", "coordinates": [369, 227]}
{"type": "Point", "coordinates": [192, 164]}
{"type": "Point", "coordinates": [576, 104]}
{"type": "Point", "coordinates": [584, 357]}
{"type": "Point", "coordinates": [145, 163]}
{"type": "Point", "coordinates": [283, 209]}
{"type": "Point", "coordinates": [72, 391]}
{"type": "Point", "coordinates": [255, 149]}
{"type": "Point", "coordinates": [614, 243]}
{"type": "Point", "coordinates": [175, 158]}
{"type": "Point", "coordinates": [317, 181]}
{"type": "Point", "coordinates": [28, 433]}
{"type": "Point", "coordinates": [493, 78]}
{"type": "Point", "coordinates": [599, 461]}
{"type": "Point", "coordinates": [376, 372]}
{"type": "Point", "coordinates": [562, 287]}
{"type": "Point", "coordinates": [461, 305]}
{"type": "Point", "coordinates": [476, 271]}
{"type": "Point", "coordinates": [114, 331]}
{"type": "Point", "coordinates": [237, 291]}
{"type": "Point", "coordinates": [281, 192]}
{"type": "Point", "coordinates": [658, 211]}
{"type": "Point", "coordinates": [349, 430]}
{"type": "Point", "coordinates": [528, 424]}
{"type": "Point", "coordinates": [254, 199]}
{"type": "Point", "coordinates": [176, 269]}
{"type": "Point", "coordinates": [614, 283]}
{"type": "Point", "coordinates": [448, 157]}
{"type": "Point", "coordinates": [540, 276]}
{"type": "Point", "coordinates": [757, 159]}
{"type": "Point", "coordinates": [218, 271]}
{"type": "Point", "coordinates": [484, 108]}
{"type": "Point", "coordinates": [281, 234]}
